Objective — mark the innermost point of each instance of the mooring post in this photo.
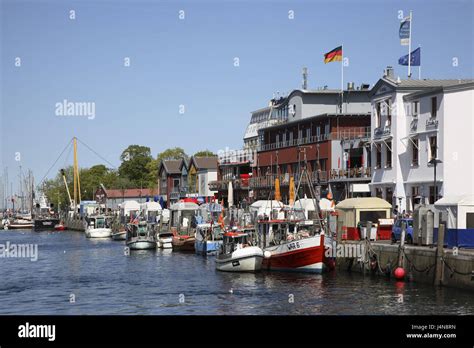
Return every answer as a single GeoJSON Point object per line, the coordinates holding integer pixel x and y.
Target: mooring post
{"type": "Point", "coordinates": [402, 244]}
{"type": "Point", "coordinates": [439, 273]}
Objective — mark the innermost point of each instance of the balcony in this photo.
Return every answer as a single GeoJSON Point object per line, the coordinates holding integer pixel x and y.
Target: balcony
{"type": "Point", "coordinates": [269, 180]}
{"type": "Point", "coordinates": [345, 134]}
{"type": "Point", "coordinates": [382, 131]}
{"type": "Point", "coordinates": [351, 174]}
{"type": "Point", "coordinates": [431, 123]}
{"type": "Point", "coordinates": [222, 185]}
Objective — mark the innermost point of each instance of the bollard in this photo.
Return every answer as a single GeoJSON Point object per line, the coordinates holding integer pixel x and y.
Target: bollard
{"type": "Point", "coordinates": [439, 273]}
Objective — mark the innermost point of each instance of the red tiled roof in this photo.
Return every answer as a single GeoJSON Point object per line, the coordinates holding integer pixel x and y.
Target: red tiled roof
{"type": "Point", "coordinates": [131, 193]}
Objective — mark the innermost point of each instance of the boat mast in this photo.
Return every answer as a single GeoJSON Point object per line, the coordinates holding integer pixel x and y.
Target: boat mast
{"type": "Point", "coordinates": [77, 182]}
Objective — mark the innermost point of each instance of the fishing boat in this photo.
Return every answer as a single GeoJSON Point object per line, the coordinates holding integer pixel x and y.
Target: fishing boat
{"type": "Point", "coordinates": [237, 254]}
{"type": "Point", "coordinates": [290, 241]}
{"type": "Point", "coordinates": [164, 240]}
{"type": "Point", "coordinates": [97, 227]}
{"type": "Point", "coordinates": [140, 236]}
{"type": "Point", "coordinates": [292, 245]}
{"type": "Point", "coordinates": [182, 214]}
{"type": "Point", "coordinates": [208, 239]}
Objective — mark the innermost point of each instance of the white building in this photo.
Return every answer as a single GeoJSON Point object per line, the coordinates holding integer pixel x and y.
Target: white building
{"type": "Point", "coordinates": [414, 121]}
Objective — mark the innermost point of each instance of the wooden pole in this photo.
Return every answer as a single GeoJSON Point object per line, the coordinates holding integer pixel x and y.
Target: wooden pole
{"type": "Point", "coordinates": [439, 273]}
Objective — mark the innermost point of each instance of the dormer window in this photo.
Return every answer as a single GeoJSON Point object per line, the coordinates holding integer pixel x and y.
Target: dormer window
{"type": "Point", "coordinates": [434, 107]}
{"type": "Point", "coordinates": [415, 107]}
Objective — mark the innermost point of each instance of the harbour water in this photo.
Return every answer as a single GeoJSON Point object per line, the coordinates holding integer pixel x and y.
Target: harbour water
{"type": "Point", "coordinates": [75, 275]}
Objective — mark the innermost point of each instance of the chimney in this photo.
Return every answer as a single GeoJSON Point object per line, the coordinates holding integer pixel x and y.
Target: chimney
{"type": "Point", "coordinates": [389, 73]}
{"type": "Point", "coordinates": [305, 78]}
{"type": "Point", "coordinates": [350, 86]}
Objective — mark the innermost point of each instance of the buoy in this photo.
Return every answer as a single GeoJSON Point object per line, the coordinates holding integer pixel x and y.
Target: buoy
{"type": "Point", "coordinates": [399, 273]}
{"type": "Point", "coordinates": [267, 254]}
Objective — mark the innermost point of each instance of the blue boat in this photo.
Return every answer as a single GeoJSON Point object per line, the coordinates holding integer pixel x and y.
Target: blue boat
{"type": "Point", "coordinates": [208, 239]}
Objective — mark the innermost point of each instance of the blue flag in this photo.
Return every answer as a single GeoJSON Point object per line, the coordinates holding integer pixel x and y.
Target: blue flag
{"type": "Point", "coordinates": [415, 59]}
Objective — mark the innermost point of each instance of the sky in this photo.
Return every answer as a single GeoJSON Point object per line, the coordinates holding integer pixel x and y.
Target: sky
{"type": "Point", "coordinates": [182, 87]}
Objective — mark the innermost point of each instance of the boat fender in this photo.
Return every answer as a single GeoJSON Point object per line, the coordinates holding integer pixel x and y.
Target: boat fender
{"type": "Point", "coordinates": [267, 254]}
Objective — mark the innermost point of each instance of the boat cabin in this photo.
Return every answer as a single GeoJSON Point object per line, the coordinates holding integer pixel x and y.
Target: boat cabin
{"type": "Point", "coordinates": [97, 222]}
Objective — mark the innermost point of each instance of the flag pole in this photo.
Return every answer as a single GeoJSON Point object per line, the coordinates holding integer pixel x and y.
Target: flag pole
{"type": "Point", "coordinates": [409, 48]}
{"type": "Point", "coordinates": [342, 76]}
{"type": "Point", "coordinates": [419, 67]}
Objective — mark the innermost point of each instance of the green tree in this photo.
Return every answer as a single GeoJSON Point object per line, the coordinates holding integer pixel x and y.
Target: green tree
{"type": "Point", "coordinates": [204, 153]}
{"type": "Point", "coordinates": [135, 164]}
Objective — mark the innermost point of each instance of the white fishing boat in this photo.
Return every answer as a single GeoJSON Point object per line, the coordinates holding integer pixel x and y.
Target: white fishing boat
{"type": "Point", "coordinates": [238, 255]}
{"type": "Point", "coordinates": [140, 236]}
{"type": "Point", "coordinates": [164, 240]}
{"type": "Point", "coordinates": [97, 227]}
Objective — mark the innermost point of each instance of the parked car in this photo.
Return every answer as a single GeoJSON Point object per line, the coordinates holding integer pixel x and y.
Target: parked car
{"type": "Point", "coordinates": [397, 230]}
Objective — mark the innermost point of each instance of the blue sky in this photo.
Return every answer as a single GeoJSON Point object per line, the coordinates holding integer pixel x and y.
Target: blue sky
{"type": "Point", "coordinates": [190, 62]}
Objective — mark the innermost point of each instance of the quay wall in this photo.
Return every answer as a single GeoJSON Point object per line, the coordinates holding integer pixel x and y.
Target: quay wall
{"type": "Point", "coordinates": [419, 262]}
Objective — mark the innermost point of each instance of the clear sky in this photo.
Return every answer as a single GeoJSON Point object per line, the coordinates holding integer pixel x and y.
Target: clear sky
{"type": "Point", "coordinates": [190, 62]}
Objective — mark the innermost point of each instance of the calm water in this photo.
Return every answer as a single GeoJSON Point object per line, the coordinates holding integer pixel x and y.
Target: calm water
{"type": "Point", "coordinates": [106, 281]}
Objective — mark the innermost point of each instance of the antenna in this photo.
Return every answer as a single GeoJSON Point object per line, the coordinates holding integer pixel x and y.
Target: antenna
{"type": "Point", "coordinates": [305, 78]}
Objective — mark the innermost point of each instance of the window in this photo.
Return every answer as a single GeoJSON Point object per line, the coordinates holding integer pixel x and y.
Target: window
{"type": "Point", "coordinates": [291, 137]}
{"type": "Point", "coordinates": [389, 195]}
{"type": "Point", "coordinates": [378, 154]}
{"type": "Point", "coordinates": [318, 131]}
{"type": "Point", "coordinates": [414, 151]}
{"type": "Point", "coordinates": [432, 195]}
{"type": "Point", "coordinates": [469, 220]}
{"type": "Point", "coordinates": [284, 136]}
{"type": "Point", "coordinates": [415, 108]}
{"type": "Point", "coordinates": [434, 106]}
{"type": "Point", "coordinates": [326, 129]}
{"type": "Point", "coordinates": [300, 134]}
{"type": "Point", "coordinates": [377, 115]}
{"type": "Point", "coordinates": [389, 112]}
{"type": "Point", "coordinates": [388, 153]}
{"type": "Point", "coordinates": [415, 192]}
{"type": "Point", "coordinates": [277, 139]}
{"type": "Point", "coordinates": [433, 147]}
{"type": "Point", "coordinates": [308, 133]}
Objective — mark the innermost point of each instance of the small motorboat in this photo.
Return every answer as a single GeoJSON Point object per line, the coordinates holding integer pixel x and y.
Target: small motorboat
{"type": "Point", "coordinates": [59, 227]}
{"type": "Point", "coordinates": [238, 255]}
{"type": "Point", "coordinates": [164, 240]}
{"type": "Point", "coordinates": [20, 224]}
{"type": "Point", "coordinates": [183, 243]}
{"type": "Point", "coordinates": [208, 239]}
{"type": "Point", "coordinates": [119, 235]}
{"type": "Point", "coordinates": [140, 236]}
{"type": "Point", "coordinates": [97, 227]}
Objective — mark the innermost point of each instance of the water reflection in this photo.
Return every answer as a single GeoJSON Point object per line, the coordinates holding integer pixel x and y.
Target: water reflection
{"type": "Point", "coordinates": [105, 280]}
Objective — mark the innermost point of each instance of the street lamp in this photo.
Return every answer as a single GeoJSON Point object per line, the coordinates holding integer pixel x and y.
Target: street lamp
{"type": "Point", "coordinates": [434, 162]}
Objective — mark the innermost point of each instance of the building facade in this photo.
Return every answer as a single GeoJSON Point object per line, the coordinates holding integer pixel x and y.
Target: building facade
{"type": "Point", "coordinates": [416, 126]}
{"type": "Point", "coordinates": [332, 136]}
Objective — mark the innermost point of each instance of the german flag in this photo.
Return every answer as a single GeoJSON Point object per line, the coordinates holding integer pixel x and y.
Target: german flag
{"type": "Point", "coordinates": [334, 56]}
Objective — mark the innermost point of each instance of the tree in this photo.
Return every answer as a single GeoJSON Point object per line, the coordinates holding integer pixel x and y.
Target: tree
{"type": "Point", "coordinates": [204, 153]}
{"type": "Point", "coordinates": [170, 154]}
{"type": "Point", "coordinates": [135, 160]}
